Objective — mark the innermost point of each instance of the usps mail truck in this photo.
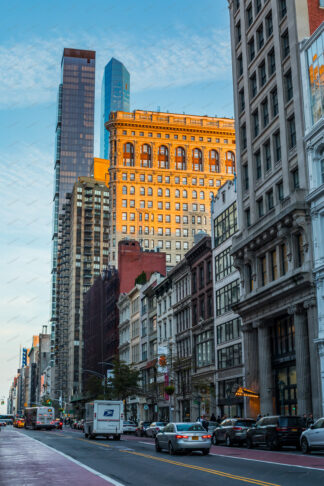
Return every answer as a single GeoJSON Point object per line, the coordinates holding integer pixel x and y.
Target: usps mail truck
{"type": "Point", "coordinates": [104, 418]}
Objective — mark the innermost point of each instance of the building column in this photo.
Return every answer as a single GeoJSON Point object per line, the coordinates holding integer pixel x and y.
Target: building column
{"type": "Point", "coordinates": [250, 343]}
{"type": "Point", "coordinates": [265, 370]}
{"type": "Point", "coordinates": [312, 318]}
{"type": "Point", "coordinates": [303, 371]}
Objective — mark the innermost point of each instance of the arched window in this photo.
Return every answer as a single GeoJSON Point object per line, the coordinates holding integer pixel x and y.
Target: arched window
{"type": "Point", "coordinates": [132, 190]}
{"type": "Point", "coordinates": [197, 160]}
{"type": "Point", "coordinates": [194, 194]}
{"type": "Point", "coordinates": [213, 161]}
{"type": "Point", "coordinates": [230, 163]}
{"type": "Point", "coordinates": [146, 160]}
{"type": "Point", "coordinates": [177, 193]}
{"type": "Point", "coordinates": [180, 158]}
{"type": "Point", "coordinates": [167, 192]}
{"type": "Point", "coordinates": [149, 191]}
{"type": "Point", "coordinates": [160, 192]}
{"type": "Point", "coordinates": [184, 193]}
{"type": "Point", "coordinates": [128, 156]}
{"type": "Point", "coordinates": [142, 191]}
{"type": "Point", "coordinates": [163, 157]}
{"type": "Point", "coordinates": [124, 190]}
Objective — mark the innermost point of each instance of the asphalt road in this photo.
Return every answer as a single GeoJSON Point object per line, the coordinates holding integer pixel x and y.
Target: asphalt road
{"type": "Point", "coordinates": [134, 462]}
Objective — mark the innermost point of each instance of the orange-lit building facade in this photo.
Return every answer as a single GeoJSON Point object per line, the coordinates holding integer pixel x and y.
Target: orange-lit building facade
{"type": "Point", "coordinates": [163, 169]}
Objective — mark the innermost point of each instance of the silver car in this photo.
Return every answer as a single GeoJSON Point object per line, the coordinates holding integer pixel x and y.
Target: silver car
{"type": "Point", "coordinates": [184, 436]}
{"type": "Point", "coordinates": [313, 438]}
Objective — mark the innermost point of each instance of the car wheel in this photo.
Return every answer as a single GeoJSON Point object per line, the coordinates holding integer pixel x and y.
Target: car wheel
{"type": "Point", "coordinates": [228, 441]}
{"type": "Point", "coordinates": [205, 452]}
{"type": "Point", "coordinates": [249, 443]}
{"type": "Point", "coordinates": [214, 440]}
{"type": "Point", "coordinates": [171, 449]}
{"type": "Point", "coordinates": [272, 444]}
{"type": "Point", "coordinates": [86, 435]}
{"type": "Point", "coordinates": [157, 446]}
{"type": "Point", "coordinates": [304, 446]}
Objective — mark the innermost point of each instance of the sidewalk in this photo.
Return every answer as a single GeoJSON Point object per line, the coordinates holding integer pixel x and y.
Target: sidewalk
{"type": "Point", "coordinates": [27, 462]}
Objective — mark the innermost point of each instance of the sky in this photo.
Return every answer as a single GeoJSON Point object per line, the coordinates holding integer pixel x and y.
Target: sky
{"type": "Point", "coordinates": [178, 55]}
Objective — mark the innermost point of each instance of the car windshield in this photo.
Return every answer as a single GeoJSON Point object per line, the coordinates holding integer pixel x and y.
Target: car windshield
{"type": "Point", "coordinates": [161, 423]}
{"type": "Point", "coordinates": [291, 422]}
{"type": "Point", "coordinates": [245, 423]}
{"type": "Point", "coordinates": [213, 424]}
{"type": "Point", "coordinates": [189, 427]}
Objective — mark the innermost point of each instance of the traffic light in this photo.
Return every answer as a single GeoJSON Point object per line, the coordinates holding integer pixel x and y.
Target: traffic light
{"type": "Point", "coordinates": [24, 357]}
{"type": "Point", "coordinates": [48, 402]}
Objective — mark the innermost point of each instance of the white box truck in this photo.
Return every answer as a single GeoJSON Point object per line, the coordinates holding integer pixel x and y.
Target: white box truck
{"type": "Point", "coordinates": [105, 418]}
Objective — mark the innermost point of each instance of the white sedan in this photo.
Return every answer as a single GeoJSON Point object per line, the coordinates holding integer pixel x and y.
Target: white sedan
{"type": "Point", "coordinates": [129, 427]}
{"type": "Point", "coordinates": [313, 438]}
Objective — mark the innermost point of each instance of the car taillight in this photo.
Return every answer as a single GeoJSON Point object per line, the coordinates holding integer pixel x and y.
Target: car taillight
{"type": "Point", "coordinates": [206, 436]}
{"type": "Point", "coordinates": [182, 437]}
{"type": "Point", "coordinates": [157, 428]}
{"type": "Point", "coordinates": [38, 422]}
{"type": "Point", "coordinates": [281, 429]}
{"type": "Point", "coordinates": [237, 428]}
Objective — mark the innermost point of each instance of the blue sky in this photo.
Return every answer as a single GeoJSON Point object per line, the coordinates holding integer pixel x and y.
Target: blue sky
{"type": "Point", "coordinates": [178, 55]}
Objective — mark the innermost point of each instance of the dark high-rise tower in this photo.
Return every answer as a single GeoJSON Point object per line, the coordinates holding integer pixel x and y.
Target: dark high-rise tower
{"type": "Point", "coordinates": [74, 141]}
{"type": "Point", "coordinates": [114, 97]}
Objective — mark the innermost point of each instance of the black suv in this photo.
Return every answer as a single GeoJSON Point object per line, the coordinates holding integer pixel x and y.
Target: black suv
{"type": "Point", "coordinates": [276, 431]}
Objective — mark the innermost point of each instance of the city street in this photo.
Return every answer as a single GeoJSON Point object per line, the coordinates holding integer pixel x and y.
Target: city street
{"type": "Point", "coordinates": [133, 461]}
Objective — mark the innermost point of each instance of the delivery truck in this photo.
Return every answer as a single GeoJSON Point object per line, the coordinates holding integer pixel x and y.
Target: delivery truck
{"type": "Point", "coordinates": [104, 418]}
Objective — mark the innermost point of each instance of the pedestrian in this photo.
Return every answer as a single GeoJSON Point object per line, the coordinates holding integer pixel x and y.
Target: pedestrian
{"type": "Point", "coordinates": [213, 418]}
{"type": "Point", "coordinates": [305, 419]}
{"type": "Point", "coordinates": [218, 419]}
{"type": "Point", "coordinates": [259, 416]}
{"type": "Point", "coordinates": [204, 422]}
{"type": "Point", "coordinates": [310, 420]}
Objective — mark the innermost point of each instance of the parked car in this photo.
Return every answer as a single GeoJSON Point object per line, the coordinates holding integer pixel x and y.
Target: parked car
{"type": "Point", "coordinates": [154, 428]}
{"type": "Point", "coordinates": [185, 436]}
{"type": "Point", "coordinates": [142, 426]}
{"type": "Point", "coordinates": [232, 431]}
{"type": "Point", "coordinates": [3, 423]}
{"type": "Point", "coordinates": [276, 431]}
{"type": "Point", "coordinates": [212, 426]}
{"type": "Point", "coordinates": [81, 424]}
{"type": "Point", "coordinates": [313, 438]}
{"type": "Point", "coordinates": [129, 427]}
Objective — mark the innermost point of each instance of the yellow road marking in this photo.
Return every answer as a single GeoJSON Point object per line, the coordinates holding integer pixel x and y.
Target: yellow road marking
{"type": "Point", "coordinates": [258, 482]}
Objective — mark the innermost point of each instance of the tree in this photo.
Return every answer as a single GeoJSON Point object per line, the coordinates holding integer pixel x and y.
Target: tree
{"type": "Point", "coordinates": [124, 382]}
{"type": "Point", "coordinates": [141, 279]}
{"type": "Point", "coordinates": [94, 388]}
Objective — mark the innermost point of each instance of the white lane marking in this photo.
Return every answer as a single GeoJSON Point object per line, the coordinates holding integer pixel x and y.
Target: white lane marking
{"type": "Point", "coordinates": [93, 471]}
{"type": "Point", "coordinates": [268, 462]}
{"type": "Point", "coordinates": [147, 443]}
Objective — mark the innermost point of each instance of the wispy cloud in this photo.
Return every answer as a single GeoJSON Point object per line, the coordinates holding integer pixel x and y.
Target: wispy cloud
{"type": "Point", "coordinates": [30, 72]}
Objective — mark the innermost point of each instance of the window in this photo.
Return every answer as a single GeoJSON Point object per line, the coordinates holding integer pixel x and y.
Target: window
{"type": "Point", "coordinates": [270, 201]}
{"type": "Point", "coordinates": [245, 177]}
{"type": "Point", "coordinates": [243, 137]}
{"type": "Point", "coordinates": [251, 49]}
{"type": "Point", "coordinates": [285, 44]}
{"type": "Point", "coordinates": [249, 15]}
{"type": "Point", "coordinates": [282, 9]}
{"type": "Point", "coordinates": [269, 24]}
{"type": "Point", "coordinates": [224, 264]}
{"type": "Point", "coordinates": [201, 195]}
{"type": "Point", "coordinates": [145, 156]}
{"type": "Point", "coordinates": [295, 179]}
{"type": "Point", "coordinates": [124, 203]}
{"type": "Point", "coordinates": [267, 155]}
{"type": "Point", "coordinates": [253, 85]}
{"type": "Point", "coordinates": [260, 207]}
{"type": "Point", "coordinates": [229, 356]}
{"type": "Point", "coordinates": [283, 259]}
{"type": "Point", "coordinates": [288, 86]}
{"type": "Point", "coordinates": [124, 216]}
{"type": "Point", "coordinates": [197, 160]}
{"type": "Point", "coordinates": [228, 331]}
{"type": "Point", "coordinates": [238, 32]}
{"type": "Point", "coordinates": [271, 62]}
{"type": "Point", "coordinates": [124, 190]}
{"type": "Point", "coordinates": [273, 262]}
{"type": "Point", "coordinates": [240, 65]}
{"type": "Point", "coordinates": [180, 158]}
{"type": "Point", "coordinates": [242, 100]}
{"type": "Point", "coordinates": [255, 122]}
{"type": "Point", "coordinates": [229, 162]}
{"type": "Point", "coordinates": [258, 169]}
{"type": "Point", "coordinates": [128, 155]}
{"type": "Point", "coordinates": [260, 37]}
{"type": "Point", "coordinates": [124, 229]}
{"type": "Point", "coordinates": [291, 132]}
{"type": "Point", "coordinates": [213, 161]}
{"type": "Point", "coordinates": [280, 192]}
{"type": "Point", "coordinates": [226, 297]}
{"type": "Point", "coordinates": [204, 349]}
{"type": "Point", "coordinates": [263, 266]}
{"type": "Point", "coordinates": [144, 352]}
{"type": "Point", "coordinates": [124, 177]}
{"type": "Point", "coordinates": [274, 102]}
{"type": "Point", "coordinates": [185, 193]}
{"type": "Point", "coordinates": [299, 250]}
{"type": "Point", "coordinates": [163, 157]}
{"type": "Point", "coordinates": [265, 112]}
{"type": "Point", "coordinates": [277, 146]}
{"type": "Point", "coordinates": [262, 74]}
{"type": "Point", "coordinates": [225, 225]}
{"type": "Point", "coordinates": [248, 217]}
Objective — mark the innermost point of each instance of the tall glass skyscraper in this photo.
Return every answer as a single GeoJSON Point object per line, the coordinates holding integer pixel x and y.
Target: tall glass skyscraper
{"type": "Point", "coordinates": [74, 141]}
{"type": "Point", "coordinates": [114, 96]}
